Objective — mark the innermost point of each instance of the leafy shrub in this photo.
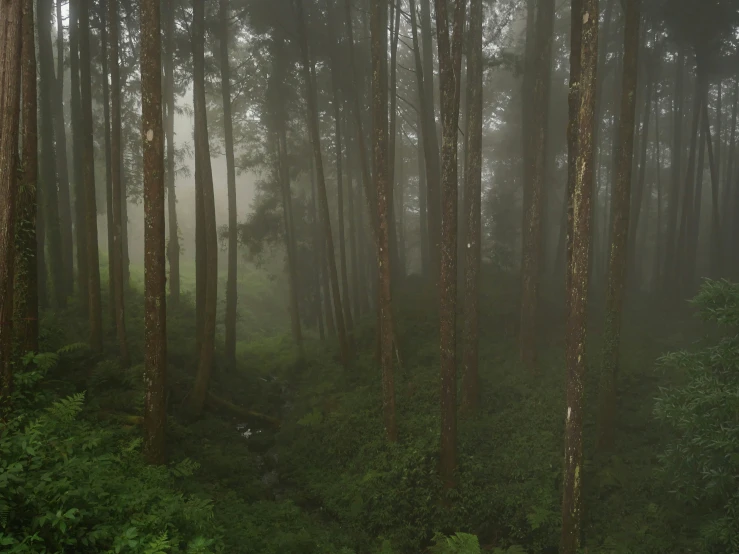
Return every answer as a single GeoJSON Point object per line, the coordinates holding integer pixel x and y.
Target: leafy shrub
{"type": "Point", "coordinates": [702, 460]}
{"type": "Point", "coordinates": [72, 485]}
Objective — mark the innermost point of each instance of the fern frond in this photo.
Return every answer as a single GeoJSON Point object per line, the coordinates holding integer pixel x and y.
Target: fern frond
{"type": "Point", "coordinates": [74, 347]}
{"type": "Point", "coordinates": [66, 409]}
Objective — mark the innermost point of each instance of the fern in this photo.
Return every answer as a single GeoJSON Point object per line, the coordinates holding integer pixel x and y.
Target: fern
{"type": "Point", "coordinates": [160, 545]}
{"type": "Point", "coordinates": [74, 347]}
{"type": "Point", "coordinates": [459, 543]}
{"type": "Point", "coordinates": [67, 409]}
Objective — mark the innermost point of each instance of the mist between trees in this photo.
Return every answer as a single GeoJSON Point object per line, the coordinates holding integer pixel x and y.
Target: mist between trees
{"type": "Point", "coordinates": [345, 276]}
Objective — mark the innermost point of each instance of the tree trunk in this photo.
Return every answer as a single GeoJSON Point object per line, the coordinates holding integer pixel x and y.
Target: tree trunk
{"type": "Point", "coordinates": [317, 258]}
{"type": "Point", "coordinates": [533, 189]}
{"type": "Point", "coordinates": [41, 274]}
{"type": "Point", "coordinates": [729, 189]}
{"type": "Point", "coordinates": [668, 271]}
{"type": "Point", "coordinates": [450, 63]}
{"type": "Point", "coordinates": [210, 236]}
{"type": "Point", "coordinates": [93, 264]}
{"type": "Point", "coordinates": [346, 303]}
{"type": "Point", "coordinates": [48, 160]}
{"type": "Point", "coordinates": [472, 211]}
{"type": "Point", "coordinates": [577, 279]}
{"type": "Point", "coordinates": [155, 242]}
{"type": "Point", "coordinates": [231, 298]}
{"type": "Point", "coordinates": [620, 225]}
{"type": "Point", "coordinates": [425, 81]}
{"type": "Point", "coordinates": [78, 146]}
{"type": "Point", "coordinates": [173, 246]}
{"type": "Point", "coordinates": [124, 221]}
{"type": "Point", "coordinates": [10, 80]}
{"type": "Point", "coordinates": [380, 170]}
{"type": "Point", "coordinates": [657, 266]}
{"type": "Point", "coordinates": [353, 227]}
{"type": "Point", "coordinates": [108, 170]}
{"type": "Point", "coordinates": [25, 309]}
{"type": "Point", "coordinates": [117, 199]}
{"type": "Point", "coordinates": [392, 134]}
{"type": "Point", "coordinates": [65, 209]}
{"type": "Point", "coordinates": [422, 204]}
{"type": "Point", "coordinates": [323, 197]}
{"type": "Point", "coordinates": [714, 164]}
{"type": "Point", "coordinates": [693, 227]}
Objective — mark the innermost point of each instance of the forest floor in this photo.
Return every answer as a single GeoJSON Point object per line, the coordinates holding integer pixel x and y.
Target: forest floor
{"type": "Point", "coordinates": [326, 481]}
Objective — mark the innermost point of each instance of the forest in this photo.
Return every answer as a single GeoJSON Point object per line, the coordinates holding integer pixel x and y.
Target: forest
{"type": "Point", "coordinates": [369, 276]}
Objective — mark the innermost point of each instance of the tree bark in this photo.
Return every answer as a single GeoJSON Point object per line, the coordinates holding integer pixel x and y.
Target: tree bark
{"type": "Point", "coordinates": [173, 246]}
{"type": "Point", "coordinates": [617, 266]}
{"type": "Point", "coordinates": [392, 134]}
{"type": "Point", "coordinates": [728, 186]}
{"type": "Point", "coordinates": [534, 189]}
{"type": "Point", "coordinates": [323, 197]}
{"type": "Point", "coordinates": [577, 280]}
{"type": "Point", "coordinates": [210, 236]}
{"type": "Point", "coordinates": [353, 226]}
{"type": "Point", "coordinates": [116, 187]}
{"type": "Point", "coordinates": [80, 227]}
{"type": "Point", "coordinates": [107, 147]}
{"type": "Point", "coordinates": [450, 64]}
{"type": "Point", "coordinates": [714, 164]}
{"type": "Point", "coordinates": [93, 263]}
{"type": "Point", "coordinates": [10, 80]}
{"type": "Point", "coordinates": [472, 211]}
{"type": "Point", "coordinates": [25, 290]}
{"type": "Point", "coordinates": [48, 159]}
{"type": "Point", "coordinates": [378, 25]}
{"type": "Point", "coordinates": [65, 209]}
{"type": "Point", "coordinates": [231, 298]}
{"type": "Point", "coordinates": [155, 287]}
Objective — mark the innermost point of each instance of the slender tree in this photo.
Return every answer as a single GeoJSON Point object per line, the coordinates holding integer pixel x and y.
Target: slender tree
{"type": "Point", "coordinates": [60, 133]}
{"type": "Point", "coordinates": [450, 64]}
{"type": "Point", "coordinates": [173, 246]}
{"type": "Point", "coordinates": [473, 202]}
{"type": "Point", "coordinates": [108, 161]}
{"type": "Point", "coordinates": [10, 79]}
{"type": "Point", "coordinates": [534, 188]}
{"type": "Point", "coordinates": [378, 26]}
{"type": "Point", "coordinates": [620, 230]}
{"type": "Point", "coordinates": [323, 197]}
{"type": "Point", "coordinates": [25, 309]}
{"type": "Point", "coordinates": [155, 290]}
{"type": "Point", "coordinates": [210, 235]}
{"type": "Point", "coordinates": [93, 264]}
{"type": "Point", "coordinates": [577, 280]}
{"type": "Point", "coordinates": [47, 154]}
{"type": "Point", "coordinates": [116, 253]}
{"type": "Point", "coordinates": [714, 164]}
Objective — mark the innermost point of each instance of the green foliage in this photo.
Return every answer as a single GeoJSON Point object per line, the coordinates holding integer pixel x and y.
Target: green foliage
{"type": "Point", "coordinates": [69, 484]}
{"type": "Point", "coordinates": [459, 543]}
{"type": "Point", "coordinates": [701, 461]}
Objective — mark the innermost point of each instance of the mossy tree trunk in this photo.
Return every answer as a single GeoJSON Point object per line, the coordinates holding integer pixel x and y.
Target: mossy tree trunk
{"type": "Point", "coordinates": [155, 242]}
{"type": "Point", "coordinates": [577, 280]}
{"type": "Point", "coordinates": [10, 79]}
{"type": "Point", "coordinates": [617, 267]}
{"type": "Point", "coordinates": [450, 64]}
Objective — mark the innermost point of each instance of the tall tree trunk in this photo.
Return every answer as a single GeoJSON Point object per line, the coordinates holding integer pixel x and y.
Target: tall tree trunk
{"type": "Point", "coordinates": [25, 309]}
{"type": "Point", "coordinates": [400, 216]}
{"type": "Point", "coordinates": [323, 197]}
{"type": "Point", "coordinates": [48, 173]}
{"type": "Point", "coordinates": [693, 227]}
{"type": "Point", "coordinates": [657, 266]}
{"type": "Point", "coordinates": [620, 231]}
{"type": "Point", "coordinates": [93, 264]}
{"type": "Point", "coordinates": [231, 298]}
{"type": "Point", "coordinates": [210, 235]}
{"type": "Point", "coordinates": [534, 189]}
{"type": "Point", "coordinates": [425, 83]}
{"type": "Point", "coordinates": [41, 273]}
{"type": "Point", "coordinates": [116, 186]}
{"type": "Point", "coordinates": [450, 64]}
{"type": "Point", "coordinates": [155, 242]}
{"type": "Point", "coordinates": [472, 211]}
{"type": "Point", "coordinates": [124, 221]}
{"type": "Point", "coordinates": [729, 187]}
{"type": "Point", "coordinates": [380, 170]}
{"type": "Point", "coordinates": [10, 80]}
{"type": "Point", "coordinates": [78, 146]}
{"type": "Point", "coordinates": [577, 279]}
{"type": "Point", "coordinates": [108, 170]}
{"type": "Point", "coordinates": [65, 209]}
{"type": "Point", "coordinates": [714, 165]}
{"type": "Point", "coordinates": [685, 270]}
{"type": "Point", "coordinates": [668, 270]}
{"type": "Point", "coordinates": [392, 134]}
{"type": "Point", "coordinates": [422, 205]}
{"type": "Point", "coordinates": [173, 246]}
{"type": "Point", "coordinates": [346, 303]}
{"type": "Point", "coordinates": [353, 226]}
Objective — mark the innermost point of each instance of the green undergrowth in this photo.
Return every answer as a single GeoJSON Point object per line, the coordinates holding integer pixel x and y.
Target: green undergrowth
{"type": "Point", "coordinates": [327, 481]}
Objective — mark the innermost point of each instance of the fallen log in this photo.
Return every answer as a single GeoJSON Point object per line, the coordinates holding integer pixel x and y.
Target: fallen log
{"type": "Point", "coordinates": [214, 402]}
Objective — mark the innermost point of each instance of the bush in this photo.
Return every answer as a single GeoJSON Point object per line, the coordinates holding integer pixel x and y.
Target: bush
{"type": "Point", "coordinates": [702, 460]}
